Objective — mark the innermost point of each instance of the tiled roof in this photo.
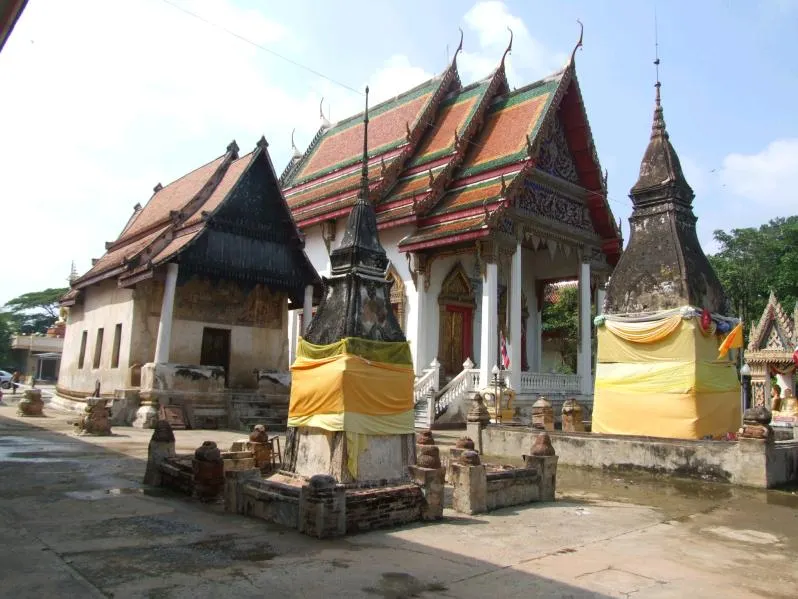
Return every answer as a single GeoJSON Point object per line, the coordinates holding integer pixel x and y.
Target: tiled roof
{"type": "Point", "coordinates": [511, 123]}
{"type": "Point", "coordinates": [179, 213]}
{"type": "Point", "coordinates": [437, 231]}
{"type": "Point", "coordinates": [172, 197]}
{"type": "Point", "coordinates": [342, 144]}
{"type": "Point", "coordinates": [474, 195]}
{"type": "Point", "coordinates": [471, 138]}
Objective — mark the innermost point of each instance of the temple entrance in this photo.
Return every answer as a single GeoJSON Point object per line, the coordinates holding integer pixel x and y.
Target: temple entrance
{"type": "Point", "coordinates": [216, 349]}
{"type": "Point", "coordinates": [455, 334]}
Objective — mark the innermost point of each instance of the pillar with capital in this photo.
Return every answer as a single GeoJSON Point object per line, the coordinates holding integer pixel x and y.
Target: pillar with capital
{"type": "Point", "coordinates": [417, 317]}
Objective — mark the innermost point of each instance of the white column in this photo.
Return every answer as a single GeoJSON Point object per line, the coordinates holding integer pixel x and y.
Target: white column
{"type": "Point", "coordinates": [307, 308]}
{"type": "Point", "coordinates": [515, 319]}
{"type": "Point", "coordinates": [165, 324]}
{"type": "Point", "coordinates": [293, 326]}
{"type": "Point", "coordinates": [534, 330]}
{"type": "Point", "coordinates": [584, 358]}
{"type": "Point", "coordinates": [419, 330]}
{"type": "Point", "coordinates": [490, 317]}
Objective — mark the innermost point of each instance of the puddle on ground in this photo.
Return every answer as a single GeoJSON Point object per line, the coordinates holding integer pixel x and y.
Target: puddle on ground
{"type": "Point", "coordinates": [106, 493]}
{"type": "Point", "coordinates": [677, 498]}
{"type": "Point", "coordinates": [36, 450]}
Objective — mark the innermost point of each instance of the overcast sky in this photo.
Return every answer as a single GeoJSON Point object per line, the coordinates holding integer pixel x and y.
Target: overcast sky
{"type": "Point", "coordinates": [102, 99]}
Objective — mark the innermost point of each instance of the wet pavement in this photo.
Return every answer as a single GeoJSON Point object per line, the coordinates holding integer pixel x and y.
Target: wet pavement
{"type": "Point", "coordinates": [75, 521]}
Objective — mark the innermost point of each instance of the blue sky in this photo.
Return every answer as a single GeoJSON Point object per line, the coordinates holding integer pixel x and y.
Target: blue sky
{"type": "Point", "coordinates": [102, 100]}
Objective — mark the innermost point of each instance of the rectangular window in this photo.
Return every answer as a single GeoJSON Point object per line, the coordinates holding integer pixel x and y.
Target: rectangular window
{"type": "Point", "coordinates": [117, 343]}
{"type": "Point", "coordinates": [82, 355]}
{"type": "Point", "coordinates": [98, 348]}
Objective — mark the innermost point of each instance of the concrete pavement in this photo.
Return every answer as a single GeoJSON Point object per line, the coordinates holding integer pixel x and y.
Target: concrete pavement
{"type": "Point", "coordinates": [76, 522]}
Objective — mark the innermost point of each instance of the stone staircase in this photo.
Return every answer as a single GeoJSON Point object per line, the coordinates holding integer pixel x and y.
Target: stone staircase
{"type": "Point", "coordinates": [249, 409]}
{"type": "Point", "coordinates": [432, 402]}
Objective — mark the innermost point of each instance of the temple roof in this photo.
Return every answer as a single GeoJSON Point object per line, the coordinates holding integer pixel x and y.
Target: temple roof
{"type": "Point", "coordinates": [775, 331]}
{"type": "Point", "coordinates": [229, 196]}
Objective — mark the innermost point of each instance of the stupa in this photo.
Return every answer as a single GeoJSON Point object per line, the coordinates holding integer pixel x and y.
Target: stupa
{"type": "Point", "coordinates": [658, 371]}
{"type": "Point", "coordinates": [351, 409]}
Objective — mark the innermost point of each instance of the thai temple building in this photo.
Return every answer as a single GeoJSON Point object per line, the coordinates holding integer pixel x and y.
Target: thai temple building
{"type": "Point", "coordinates": [192, 298]}
{"type": "Point", "coordinates": [483, 195]}
{"type": "Point", "coordinates": [659, 372]}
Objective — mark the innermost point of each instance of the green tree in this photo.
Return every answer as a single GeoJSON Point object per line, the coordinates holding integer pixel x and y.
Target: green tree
{"type": "Point", "coordinates": [6, 326]}
{"type": "Point", "coordinates": [34, 312]}
{"type": "Point", "coordinates": [753, 261]}
{"type": "Point", "coordinates": [561, 317]}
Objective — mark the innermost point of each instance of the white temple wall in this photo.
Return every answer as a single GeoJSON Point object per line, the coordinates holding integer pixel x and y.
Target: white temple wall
{"type": "Point", "coordinates": [103, 306]}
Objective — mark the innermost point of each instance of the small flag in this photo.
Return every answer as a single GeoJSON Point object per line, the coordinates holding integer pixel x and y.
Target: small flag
{"type": "Point", "coordinates": [505, 356]}
{"type": "Point", "coordinates": [733, 340]}
{"type": "Point", "coordinates": [795, 355]}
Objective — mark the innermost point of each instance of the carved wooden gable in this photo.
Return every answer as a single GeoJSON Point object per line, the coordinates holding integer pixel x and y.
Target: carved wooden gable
{"type": "Point", "coordinates": [775, 331]}
{"type": "Point", "coordinates": [555, 156]}
{"type": "Point", "coordinates": [398, 300]}
{"type": "Point", "coordinates": [456, 288]}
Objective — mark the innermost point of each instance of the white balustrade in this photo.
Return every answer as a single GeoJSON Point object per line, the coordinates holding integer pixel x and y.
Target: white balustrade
{"type": "Point", "coordinates": [428, 381]}
{"type": "Point", "coordinates": [544, 382]}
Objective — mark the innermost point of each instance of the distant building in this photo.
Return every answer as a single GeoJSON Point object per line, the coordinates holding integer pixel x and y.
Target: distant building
{"type": "Point", "coordinates": [203, 275]}
{"type": "Point", "coordinates": [39, 355]}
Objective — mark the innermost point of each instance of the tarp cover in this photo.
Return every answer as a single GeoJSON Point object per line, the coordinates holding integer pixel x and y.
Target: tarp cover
{"type": "Point", "coordinates": [662, 378]}
{"type": "Point", "coordinates": [353, 385]}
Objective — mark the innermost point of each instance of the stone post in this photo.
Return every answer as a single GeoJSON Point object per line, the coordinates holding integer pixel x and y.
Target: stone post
{"type": "Point", "coordinates": [431, 481]}
{"type": "Point", "coordinates": [167, 307]}
{"type": "Point", "coordinates": [162, 446]}
{"type": "Point", "coordinates": [477, 419]}
{"type": "Point", "coordinates": [470, 482]}
{"type": "Point", "coordinates": [584, 359]}
{"type": "Point", "coordinates": [307, 309]}
{"type": "Point", "coordinates": [515, 319]}
{"type": "Point", "coordinates": [543, 458]}
{"type": "Point", "coordinates": [543, 415]}
{"type": "Point", "coordinates": [322, 507]}
{"type": "Point", "coordinates": [572, 417]}
{"type": "Point", "coordinates": [208, 469]}
{"type": "Point", "coordinates": [490, 317]}
{"type": "Point", "coordinates": [31, 403]}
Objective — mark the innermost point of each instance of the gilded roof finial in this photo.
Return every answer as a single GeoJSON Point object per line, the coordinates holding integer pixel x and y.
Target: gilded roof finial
{"type": "Point", "coordinates": [509, 47]}
{"type": "Point", "coordinates": [579, 43]}
{"type": "Point", "coordinates": [364, 173]}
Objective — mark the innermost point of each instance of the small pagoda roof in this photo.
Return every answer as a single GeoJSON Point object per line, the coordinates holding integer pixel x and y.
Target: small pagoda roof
{"type": "Point", "coordinates": [775, 336]}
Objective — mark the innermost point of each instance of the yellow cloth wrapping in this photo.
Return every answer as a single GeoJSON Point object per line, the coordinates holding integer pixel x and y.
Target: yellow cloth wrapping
{"type": "Point", "coordinates": [644, 332]}
{"type": "Point", "coordinates": [336, 390]}
{"type": "Point", "coordinates": [672, 387]}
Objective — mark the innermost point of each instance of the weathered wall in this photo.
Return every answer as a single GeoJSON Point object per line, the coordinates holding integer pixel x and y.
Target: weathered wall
{"type": "Point", "coordinates": [104, 306]}
{"type": "Point", "coordinates": [257, 321]}
{"type": "Point", "coordinates": [747, 462]}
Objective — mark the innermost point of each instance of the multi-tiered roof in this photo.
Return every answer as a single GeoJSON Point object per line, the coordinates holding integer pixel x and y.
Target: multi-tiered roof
{"type": "Point", "coordinates": [449, 158]}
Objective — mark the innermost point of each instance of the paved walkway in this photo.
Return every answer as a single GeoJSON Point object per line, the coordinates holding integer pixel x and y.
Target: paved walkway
{"type": "Point", "coordinates": [76, 522]}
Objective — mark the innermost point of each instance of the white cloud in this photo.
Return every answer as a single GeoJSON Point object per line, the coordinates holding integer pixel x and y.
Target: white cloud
{"type": "Point", "coordinates": [529, 58]}
{"type": "Point", "coordinates": [101, 100]}
{"type": "Point", "coordinates": [765, 178]}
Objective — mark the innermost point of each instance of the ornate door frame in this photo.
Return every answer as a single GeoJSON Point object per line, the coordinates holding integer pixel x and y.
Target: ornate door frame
{"type": "Point", "coordinates": [457, 295]}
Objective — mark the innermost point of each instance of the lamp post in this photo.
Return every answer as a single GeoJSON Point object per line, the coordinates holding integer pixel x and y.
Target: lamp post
{"type": "Point", "coordinates": [496, 392]}
{"type": "Point", "coordinates": [745, 377]}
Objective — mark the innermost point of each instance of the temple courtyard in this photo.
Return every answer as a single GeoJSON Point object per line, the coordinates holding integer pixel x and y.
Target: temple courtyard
{"type": "Point", "coordinates": [75, 521]}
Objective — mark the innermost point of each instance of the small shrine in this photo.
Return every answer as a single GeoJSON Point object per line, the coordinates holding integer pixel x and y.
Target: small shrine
{"type": "Point", "coordinates": [351, 410]}
{"type": "Point", "coordinates": [772, 353]}
{"type": "Point", "coordinates": [658, 371]}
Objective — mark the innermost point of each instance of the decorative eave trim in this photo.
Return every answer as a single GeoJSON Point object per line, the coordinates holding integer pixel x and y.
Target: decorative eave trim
{"type": "Point", "coordinates": [446, 240]}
